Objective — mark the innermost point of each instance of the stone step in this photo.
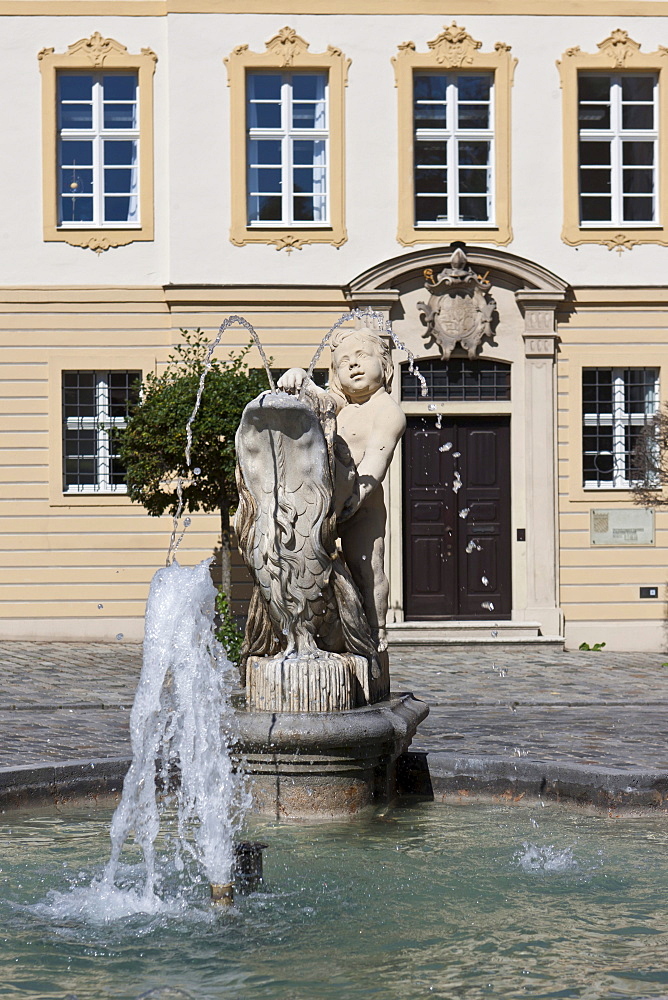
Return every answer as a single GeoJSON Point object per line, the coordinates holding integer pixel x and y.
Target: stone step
{"type": "Point", "coordinates": [483, 633]}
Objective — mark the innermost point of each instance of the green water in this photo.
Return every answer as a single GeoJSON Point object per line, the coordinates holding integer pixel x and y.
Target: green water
{"type": "Point", "coordinates": [432, 901]}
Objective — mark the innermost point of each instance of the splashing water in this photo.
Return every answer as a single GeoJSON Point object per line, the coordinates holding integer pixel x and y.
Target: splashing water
{"type": "Point", "coordinates": [484, 581]}
{"type": "Point", "coordinates": [457, 483]}
{"type": "Point", "coordinates": [207, 365]}
{"type": "Point", "coordinates": [439, 421]}
{"type": "Point", "coordinates": [446, 447]}
{"type": "Point", "coordinates": [473, 546]}
{"type": "Point", "coordinates": [229, 321]}
{"type": "Point", "coordinates": [464, 513]}
{"type": "Point", "coordinates": [487, 605]}
{"type": "Point", "coordinates": [361, 315]}
{"type": "Point", "coordinates": [548, 859]}
{"type": "Point", "coordinates": [181, 719]}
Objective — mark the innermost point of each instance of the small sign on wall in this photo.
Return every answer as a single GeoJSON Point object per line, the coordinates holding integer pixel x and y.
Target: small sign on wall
{"type": "Point", "coordinates": [621, 526]}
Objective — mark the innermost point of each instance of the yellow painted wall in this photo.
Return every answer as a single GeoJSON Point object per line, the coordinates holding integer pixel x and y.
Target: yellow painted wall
{"type": "Point", "coordinates": [62, 555]}
{"type": "Point", "coordinates": [600, 585]}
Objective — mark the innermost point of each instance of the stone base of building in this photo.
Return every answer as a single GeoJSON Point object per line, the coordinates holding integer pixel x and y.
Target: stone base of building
{"type": "Point", "coordinates": [326, 765]}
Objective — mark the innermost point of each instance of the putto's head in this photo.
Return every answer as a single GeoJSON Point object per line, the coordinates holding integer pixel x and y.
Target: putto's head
{"type": "Point", "coordinates": [361, 362]}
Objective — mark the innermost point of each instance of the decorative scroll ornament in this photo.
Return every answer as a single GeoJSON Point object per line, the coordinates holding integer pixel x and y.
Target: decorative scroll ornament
{"type": "Point", "coordinates": [619, 46]}
{"type": "Point", "coordinates": [460, 308]}
{"type": "Point", "coordinates": [454, 46]}
{"type": "Point", "coordinates": [287, 45]}
{"type": "Point", "coordinates": [620, 242]}
{"type": "Point", "coordinates": [289, 242]}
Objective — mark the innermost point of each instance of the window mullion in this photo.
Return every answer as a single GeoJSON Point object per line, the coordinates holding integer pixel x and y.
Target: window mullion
{"type": "Point", "coordinates": [286, 149]}
{"type": "Point", "coordinates": [619, 424]}
{"type": "Point", "coordinates": [452, 152]}
{"type": "Point", "coordinates": [98, 152]}
{"type": "Point", "coordinates": [103, 434]}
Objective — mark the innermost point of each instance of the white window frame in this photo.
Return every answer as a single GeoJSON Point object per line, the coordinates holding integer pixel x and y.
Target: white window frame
{"type": "Point", "coordinates": [97, 134]}
{"type": "Point", "coordinates": [619, 419]}
{"type": "Point", "coordinates": [452, 134]}
{"type": "Point", "coordinates": [286, 133]}
{"type": "Point", "coordinates": [616, 135]}
{"type": "Point", "coordinates": [103, 424]}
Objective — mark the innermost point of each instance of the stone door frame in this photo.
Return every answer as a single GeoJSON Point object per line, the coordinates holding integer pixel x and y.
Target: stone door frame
{"type": "Point", "coordinates": [538, 294]}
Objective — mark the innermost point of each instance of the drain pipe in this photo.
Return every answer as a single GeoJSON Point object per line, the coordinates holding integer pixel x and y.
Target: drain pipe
{"type": "Point", "coordinates": [247, 871]}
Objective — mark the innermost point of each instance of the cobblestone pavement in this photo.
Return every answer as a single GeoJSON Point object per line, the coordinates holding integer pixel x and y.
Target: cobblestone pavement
{"type": "Point", "coordinates": [62, 701]}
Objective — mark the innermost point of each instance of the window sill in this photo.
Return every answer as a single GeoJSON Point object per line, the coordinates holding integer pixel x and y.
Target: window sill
{"type": "Point", "coordinates": [615, 237]}
{"type": "Point", "coordinates": [483, 232]}
{"type": "Point", "coordinates": [290, 237]}
{"type": "Point", "coordinates": [98, 238]}
{"type": "Point", "coordinates": [92, 500]}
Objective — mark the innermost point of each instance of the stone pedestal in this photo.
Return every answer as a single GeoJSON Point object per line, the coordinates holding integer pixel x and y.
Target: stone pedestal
{"type": "Point", "coordinates": [326, 765]}
{"type": "Point", "coordinates": [320, 683]}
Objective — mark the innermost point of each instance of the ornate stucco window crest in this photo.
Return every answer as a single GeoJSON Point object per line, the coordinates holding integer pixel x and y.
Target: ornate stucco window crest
{"type": "Point", "coordinates": [454, 46]}
{"type": "Point", "coordinates": [460, 307]}
{"type": "Point", "coordinates": [617, 56]}
{"type": "Point", "coordinates": [287, 55]}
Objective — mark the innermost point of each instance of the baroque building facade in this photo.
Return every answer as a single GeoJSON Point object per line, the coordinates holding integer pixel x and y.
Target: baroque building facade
{"type": "Point", "coordinates": [493, 182]}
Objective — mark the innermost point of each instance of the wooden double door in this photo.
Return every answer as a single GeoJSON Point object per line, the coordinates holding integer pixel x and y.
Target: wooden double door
{"type": "Point", "coordinates": [457, 518]}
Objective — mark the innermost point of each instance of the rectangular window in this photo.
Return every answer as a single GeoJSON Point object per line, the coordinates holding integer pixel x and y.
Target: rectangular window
{"type": "Point", "coordinates": [618, 148]}
{"type": "Point", "coordinates": [288, 149]}
{"type": "Point", "coordinates": [616, 405]}
{"type": "Point", "coordinates": [470, 380]}
{"type": "Point", "coordinates": [98, 150]}
{"type": "Point", "coordinates": [94, 405]}
{"type": "Point", "coordinates": [453, 117]}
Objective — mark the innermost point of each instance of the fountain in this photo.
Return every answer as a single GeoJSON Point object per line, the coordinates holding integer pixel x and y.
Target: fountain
{"type": "Point", "coordinates": [321, 732]}
{"type": "Point", "coordinates": [502, 901]}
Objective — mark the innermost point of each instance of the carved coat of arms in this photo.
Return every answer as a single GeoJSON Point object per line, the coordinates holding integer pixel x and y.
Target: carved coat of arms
{"type": "Point", "coordinates": [460, 308]}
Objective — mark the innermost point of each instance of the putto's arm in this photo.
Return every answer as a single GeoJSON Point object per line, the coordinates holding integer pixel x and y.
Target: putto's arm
{"type": "Point", "coordinates": [292, 380]}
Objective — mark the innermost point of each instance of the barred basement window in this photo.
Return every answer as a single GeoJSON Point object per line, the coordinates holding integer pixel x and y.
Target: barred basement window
{"type": "Point", "coordinates": [616, 405]}
{"type": "Point", "coordinates": [94, 405]}
{"type": "Point", "coordinates": [458, 379]}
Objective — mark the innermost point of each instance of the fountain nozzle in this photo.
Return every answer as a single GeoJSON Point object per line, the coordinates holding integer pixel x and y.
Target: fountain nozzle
{"type": "Point", "coordinates": [222, 894]}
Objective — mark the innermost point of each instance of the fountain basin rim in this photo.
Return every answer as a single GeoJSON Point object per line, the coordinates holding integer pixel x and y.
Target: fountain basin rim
{"type": "Point", "coordinates": [373, 728]}
{"type": "Point", "coordinates": [443, 775]}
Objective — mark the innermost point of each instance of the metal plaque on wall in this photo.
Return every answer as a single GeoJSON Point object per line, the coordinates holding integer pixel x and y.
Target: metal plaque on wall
{"type": "Point", "coordinates": [621, 526]}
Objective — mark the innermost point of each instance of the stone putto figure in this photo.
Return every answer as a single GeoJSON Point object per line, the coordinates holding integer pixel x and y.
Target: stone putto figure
{"type": "Point", "coordinates": [310, 468]}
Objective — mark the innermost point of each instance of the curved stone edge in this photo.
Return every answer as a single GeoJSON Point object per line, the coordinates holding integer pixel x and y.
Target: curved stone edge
{"type": "Point", "coordinates": [449, 777]}
{"type": "Point", "coordinates": [326, 765]}
{"type": "Point", "coordinates": [440, 776]}
{"type": "Point", "coordinates": [54, 783]}
{"type": "Point", "coordinates": [392, 721]}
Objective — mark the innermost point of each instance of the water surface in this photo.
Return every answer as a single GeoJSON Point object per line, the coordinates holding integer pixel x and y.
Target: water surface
{"type": "Point", "coordinates": [430, 901]}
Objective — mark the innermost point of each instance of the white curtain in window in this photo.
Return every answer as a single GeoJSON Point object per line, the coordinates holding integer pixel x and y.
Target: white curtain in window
{"type": "Point", "coordinates": [320, 181]}
{"type": "Point", "coordinates": [133, 207]}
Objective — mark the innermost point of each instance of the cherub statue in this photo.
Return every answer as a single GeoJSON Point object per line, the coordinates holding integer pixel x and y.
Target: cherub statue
{"type": "Point", "coordinates": [369, 424]}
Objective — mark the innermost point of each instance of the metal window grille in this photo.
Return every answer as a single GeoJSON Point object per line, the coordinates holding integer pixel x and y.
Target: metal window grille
{"type": "Point", "coordinates": [616, 405]}
{"type": "Point", "coordinates": [94, 405]}
{"type": "Point", "coordinates": [618, 148]}
{"type": "Point", "coordinates": [98, 150]}
{"type": "Point", "coordinates": [458, 379]}
{"type": "Point", "coordinates": [287, 149]}
{"type": "Point", "coordinates": [453, 118]}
